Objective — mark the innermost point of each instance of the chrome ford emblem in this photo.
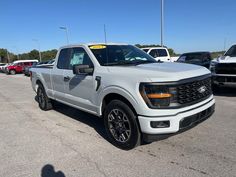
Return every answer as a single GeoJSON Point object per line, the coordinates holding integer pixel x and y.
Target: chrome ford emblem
{"type": "Point", "coordinates": [202, 89]}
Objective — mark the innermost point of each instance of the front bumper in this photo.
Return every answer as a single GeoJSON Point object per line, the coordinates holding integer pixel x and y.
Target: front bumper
{"type": "Point", "coordinates": [224, 80]}
{"type": "Point", "coordinates": [178, 121]}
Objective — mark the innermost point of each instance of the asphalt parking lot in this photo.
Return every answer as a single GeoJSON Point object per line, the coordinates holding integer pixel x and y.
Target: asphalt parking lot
{"type": "Point", "coordinates": [33, 142]}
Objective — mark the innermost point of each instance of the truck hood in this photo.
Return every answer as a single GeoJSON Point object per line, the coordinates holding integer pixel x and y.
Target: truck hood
{"type": "Point", "coordinates": [159, 72]}
{"type": "Point", "coordinates": [226, 59]}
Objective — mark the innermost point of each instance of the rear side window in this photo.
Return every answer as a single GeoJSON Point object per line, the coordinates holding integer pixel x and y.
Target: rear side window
{"type": "Point", "coordinates": [63, 59]}
{"type": "Point", "coordinates": [153, 53]}
{"type": "Point", "coordinates": [162, 52]}
{"type": "Point", "coordinates": [158, 53]}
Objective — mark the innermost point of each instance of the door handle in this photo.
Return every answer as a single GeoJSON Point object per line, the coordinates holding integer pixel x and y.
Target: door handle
{"type": "Point", "coordinates": [67, 78]}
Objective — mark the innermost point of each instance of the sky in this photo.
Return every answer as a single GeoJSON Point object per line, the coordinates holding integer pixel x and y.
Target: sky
{"type": "Point", "coordinates": [189, 25]}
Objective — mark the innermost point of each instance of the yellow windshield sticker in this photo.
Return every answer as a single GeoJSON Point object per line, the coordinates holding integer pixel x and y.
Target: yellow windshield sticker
{"type": "Point", "coordinates": [97, 47]}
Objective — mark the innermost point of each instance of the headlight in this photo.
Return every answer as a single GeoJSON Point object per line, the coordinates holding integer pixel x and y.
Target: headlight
{"type": "Point", "coordinates": [158, 96]}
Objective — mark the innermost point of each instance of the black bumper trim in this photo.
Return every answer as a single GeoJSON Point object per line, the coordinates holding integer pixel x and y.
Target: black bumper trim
{"type": "Point", "coordinates": [187, 123]}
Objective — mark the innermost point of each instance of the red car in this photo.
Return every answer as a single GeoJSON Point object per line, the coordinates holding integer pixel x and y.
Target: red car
{"type": "Point", "coordinates": [19, 66]}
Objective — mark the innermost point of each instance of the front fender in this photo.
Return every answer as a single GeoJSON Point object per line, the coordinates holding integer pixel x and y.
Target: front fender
{"type": "Point", "coordinates": [116, 90]}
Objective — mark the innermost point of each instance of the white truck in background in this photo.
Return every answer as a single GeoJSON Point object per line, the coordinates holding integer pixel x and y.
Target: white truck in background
{"type": "Point", "coordinates": [160, 53]}
{"type": "Point", "coordinates": [138, 97]}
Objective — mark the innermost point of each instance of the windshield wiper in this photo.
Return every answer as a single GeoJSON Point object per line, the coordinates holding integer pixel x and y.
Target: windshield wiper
{"type": "Point", "coordinates": [121, 62]}
{"type": "Point", "coordinates": [139, 62]}
{"type": "Point", "coordinates": [128, 62]}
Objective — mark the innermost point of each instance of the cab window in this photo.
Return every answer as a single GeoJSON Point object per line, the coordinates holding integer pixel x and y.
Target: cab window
{"type": "Point", "coordinates": [79, 57]}
{"type": "Point", "coordinates": [63, 58]}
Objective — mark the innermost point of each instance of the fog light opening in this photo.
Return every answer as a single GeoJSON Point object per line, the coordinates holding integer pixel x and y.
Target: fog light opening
{"type": "Point", "coordinates": [160, 124]}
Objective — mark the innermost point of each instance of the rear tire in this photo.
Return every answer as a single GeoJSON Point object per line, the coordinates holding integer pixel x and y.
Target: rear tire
{"type": "Point", "coordinates": [121, 125]}
{"type": "Point", "coordinates": [44, 102]}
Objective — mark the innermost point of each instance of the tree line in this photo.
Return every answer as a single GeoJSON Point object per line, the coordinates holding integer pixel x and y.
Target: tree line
{"type": "Point", "coordinates": [8, 57]}
{"type": "Point", "coordinates": [51, 54]}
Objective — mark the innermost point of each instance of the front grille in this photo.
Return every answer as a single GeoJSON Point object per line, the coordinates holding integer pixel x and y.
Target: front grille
{"type": "Point", "coordinates": [225, 68]}
{"type": "Point", "coordinates": [191, 120]}
{"type": "Point", "coordinates": [193, 92]}
{"type": "Point", "coordinates": [223, 79]}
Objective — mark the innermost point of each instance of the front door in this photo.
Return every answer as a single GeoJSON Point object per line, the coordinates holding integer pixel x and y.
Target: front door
{"type": "Point", "coordinates": [80, 89]}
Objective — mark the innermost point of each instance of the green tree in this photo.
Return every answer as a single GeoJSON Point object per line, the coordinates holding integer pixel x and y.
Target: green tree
{"type": "Point", "coordinates": [49, 54]}
{"type": "Point", "coordinates": [34, 54]}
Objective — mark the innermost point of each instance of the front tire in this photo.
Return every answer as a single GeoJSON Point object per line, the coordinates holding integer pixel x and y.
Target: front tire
{"type": "Point", "coordinates": [121, 125]}
{"type": "Point", "coordinates": [44, 102]}
{"type": "Point", "coordinates": [12, 72]}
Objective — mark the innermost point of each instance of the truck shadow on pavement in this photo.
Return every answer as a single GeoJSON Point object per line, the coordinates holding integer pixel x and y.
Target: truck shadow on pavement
{"type": "Point", "coordinates": [225, 91]}
{"type": "Point", "coordinates": [49, 171]}
{"type": "Point", "coordinates": [86, 118]}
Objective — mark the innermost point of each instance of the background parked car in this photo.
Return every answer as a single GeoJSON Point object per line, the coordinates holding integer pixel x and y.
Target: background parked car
{"type": "Point", "coordinates": [197, 58]}
{"type": "Point", "coordinates": [1, 65]}
{"type": "Point", "coordinates": [4, 67]}
{"type": "Point", "coordinates": [19, 66]}
{"type": "Point", "coordinates": [43, 63]}
{"type": "Point", "coordinates": [27, 68]}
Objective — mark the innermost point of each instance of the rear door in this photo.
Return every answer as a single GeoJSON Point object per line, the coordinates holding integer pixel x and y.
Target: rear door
{"type": "Point", "coordinates": [80, 89]}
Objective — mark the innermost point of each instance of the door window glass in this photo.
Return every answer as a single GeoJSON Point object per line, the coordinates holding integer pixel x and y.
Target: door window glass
{"type": "Point", "coordinates": [79, 57]}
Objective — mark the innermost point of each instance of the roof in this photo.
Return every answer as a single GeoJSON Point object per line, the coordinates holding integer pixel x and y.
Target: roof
{"type": "Point", "coordinates": [199, 52]}
{"type": "Point", "coordinates": [21, 61]}
{"type": "Point", "coordinates": [153, 48]}
{"type": "Point", "coordinates": [88, 44]}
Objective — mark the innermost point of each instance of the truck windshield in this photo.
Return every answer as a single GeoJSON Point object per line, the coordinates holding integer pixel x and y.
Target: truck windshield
{"type": "Point", "coordinates": [231, 52]}
{"type": "Point", "coordinates": [108, 55]}
{"type": "Point", "coordinates": [146, 50]}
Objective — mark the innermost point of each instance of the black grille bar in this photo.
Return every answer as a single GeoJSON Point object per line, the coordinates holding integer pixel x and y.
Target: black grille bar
{"type": "Point", "coordinates": [225, 68]}
{"type": "Point", "coordinates": [196, 91]}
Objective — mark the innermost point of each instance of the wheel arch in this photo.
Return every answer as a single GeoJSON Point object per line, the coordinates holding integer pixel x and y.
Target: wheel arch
{"type": "Point", "coordinates": [37, 83]}
{"type": "Point", "coordinates": [116, 96]}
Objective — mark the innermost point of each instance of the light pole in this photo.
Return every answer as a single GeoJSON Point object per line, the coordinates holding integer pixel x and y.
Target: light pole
{"type": "Point", "coordinates": [162, 21]}
{"type": "Point", "coordinates": [66, 30]}
{"type": "Point", "coordinates": [37, 41]}
{"type": "Point", "coordinates": [225, 40]}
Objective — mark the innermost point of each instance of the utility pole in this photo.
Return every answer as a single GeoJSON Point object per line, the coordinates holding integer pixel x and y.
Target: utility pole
{"type": "Point", "coordinates": [105, 34]}
{"type": "Point", "coordinates": [162, 21]}
{"type": "Point", "coordinates": [40, 56]}
{"type": "Point", "coordinates": [66, 30]}
{"type": "Point", "coordinates": [8, 57]}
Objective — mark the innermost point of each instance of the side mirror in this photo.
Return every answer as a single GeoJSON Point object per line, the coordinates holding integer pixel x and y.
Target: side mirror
{"type": "Point", "coordinates": [82, 69]}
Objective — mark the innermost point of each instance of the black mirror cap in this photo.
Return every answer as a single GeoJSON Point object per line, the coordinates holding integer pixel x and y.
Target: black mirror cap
{"type": "Point", "coordinates": [82, 69]}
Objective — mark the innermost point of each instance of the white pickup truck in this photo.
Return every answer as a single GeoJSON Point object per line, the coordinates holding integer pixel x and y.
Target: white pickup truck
{"type": "Point", "coordinates": [160, 53]}
{"type": "Point", "coordinates": [138, 97]}
{"type": "Point", "coordinates": [224, 69]}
